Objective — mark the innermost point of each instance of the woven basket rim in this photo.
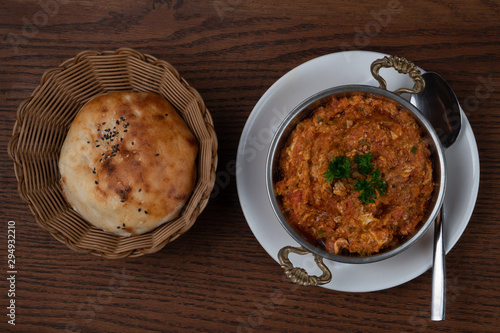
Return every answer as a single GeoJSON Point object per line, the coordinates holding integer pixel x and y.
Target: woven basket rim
{"type": "Point", "coordinates": [92, 240]}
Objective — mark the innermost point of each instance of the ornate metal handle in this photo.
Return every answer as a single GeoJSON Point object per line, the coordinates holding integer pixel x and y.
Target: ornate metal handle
{"type": "Point", "coordinates": [403, 66]}
{"type": "Point", "coordinates": [299, 275]}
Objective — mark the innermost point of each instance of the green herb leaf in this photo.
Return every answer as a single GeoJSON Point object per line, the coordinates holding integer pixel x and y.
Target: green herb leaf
{"type": "Point", "coordinates": [378, 182]}
{"type": "Point", "coordinates": [369, 188]}
{"type": "Point", "coordinates": [364, 162]}
{"type": "Point", "coordinates": [413, 150]}
{"type": "Point", "coordinates": [339, 167]}
{"type": "Point", "coordinates": [368, 194]}
{"type": "Point", "coordinates": [321, 233]}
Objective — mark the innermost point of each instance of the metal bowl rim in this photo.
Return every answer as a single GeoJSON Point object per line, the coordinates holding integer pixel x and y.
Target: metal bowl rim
{"type": "Point", "coordinates": [355, 89]}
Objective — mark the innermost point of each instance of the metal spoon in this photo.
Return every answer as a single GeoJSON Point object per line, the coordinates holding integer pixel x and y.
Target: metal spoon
{"type": "Point", "coordinates": [439, 104]}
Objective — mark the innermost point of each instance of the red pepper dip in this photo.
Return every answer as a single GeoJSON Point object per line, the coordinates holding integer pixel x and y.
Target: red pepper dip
{"type": "Point", "coordinates": [333, 213]}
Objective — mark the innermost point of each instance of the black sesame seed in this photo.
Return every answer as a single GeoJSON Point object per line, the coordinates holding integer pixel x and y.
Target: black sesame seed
{"type": "Point", "coordinates": [132, 143]}
{"type": "Point", "coordinates": [88, 141]}
{"type": "Point", "coordinates": [96, 182]}
{"type": "Point", "coordinates": [166, 114]}
{"type": "Point", "coordinates": [145, 212]}
{"type": "Point", "coordinates": [139, 210]}
{"type": "Point", "coordinates": [121, 139]}
{"type": "Point", "coordinates": [118, 227]}
{"type": "Point", "coordinates": [123, 224]}
{"type": "Point", "coordinates": [157, 154]}
{"type": "Point", "coordinates": [140, 189]}
{"type": "Point", "coordinates": [98, 130]}
{"type": "Point", "coordinates": [125, 130]}
{"type": "Point", "coordinates": [122, 201]}
{"type": "Point", "coordinates": [104, 123]}
{"type": "Point", "coordinates": [97, 146]}
{"type": "Point", "coordinates": [118, 122]}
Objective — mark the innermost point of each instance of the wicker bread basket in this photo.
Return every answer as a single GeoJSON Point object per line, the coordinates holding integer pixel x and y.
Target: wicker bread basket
{"type": "Point", "coordinates": [44, 119]}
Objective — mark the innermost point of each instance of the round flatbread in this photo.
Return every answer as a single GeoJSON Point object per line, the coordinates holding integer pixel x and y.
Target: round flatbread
{"type": "Point", "coordinates": [128, 163]}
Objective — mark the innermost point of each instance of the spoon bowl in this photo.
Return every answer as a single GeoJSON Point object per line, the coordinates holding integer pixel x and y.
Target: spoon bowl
{"type": "Point", "coordinates": [439, 104]}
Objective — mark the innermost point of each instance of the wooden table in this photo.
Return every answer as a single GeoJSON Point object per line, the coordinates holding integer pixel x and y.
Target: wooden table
{"type": "Point", "coordinates": [217, 277]}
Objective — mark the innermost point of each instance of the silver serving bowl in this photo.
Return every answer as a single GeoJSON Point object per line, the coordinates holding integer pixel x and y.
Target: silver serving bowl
{"type": "Point", "coordinates": [304, 110]}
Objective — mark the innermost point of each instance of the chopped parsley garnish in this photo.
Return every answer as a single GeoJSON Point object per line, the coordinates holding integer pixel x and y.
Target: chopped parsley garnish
{"type": "Point", "coordinates": [339, 167]}
{"type": "Point", "coordinates": [369, 188]}
{"type": "Point", "coordinates": [373, 183]}
{"type": "Point", "coordinates": [378, 182]}
{"type": "Point", "coordinates": [364, 163]}
{"type": "Point", "coordinates": [367, 192]}
{"type": "Point", "coordinates": [413, 150]}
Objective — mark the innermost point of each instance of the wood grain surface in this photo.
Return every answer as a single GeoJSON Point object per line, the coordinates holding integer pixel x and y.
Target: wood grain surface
{"type": "Point", "coordinates": [217, 277]}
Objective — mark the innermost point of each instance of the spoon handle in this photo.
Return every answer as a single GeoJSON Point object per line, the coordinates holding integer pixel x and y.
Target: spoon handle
{"type": "Point", "coordinates": [438, 302]}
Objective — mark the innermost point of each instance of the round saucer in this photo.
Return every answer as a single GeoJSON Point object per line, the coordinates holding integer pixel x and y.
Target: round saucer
{"type": "Point", "coordinates": [331, 70]}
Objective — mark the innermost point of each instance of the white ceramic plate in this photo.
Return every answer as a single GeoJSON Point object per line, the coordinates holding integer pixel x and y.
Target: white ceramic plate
{"type": "Point", "coordinates": [303, 81]}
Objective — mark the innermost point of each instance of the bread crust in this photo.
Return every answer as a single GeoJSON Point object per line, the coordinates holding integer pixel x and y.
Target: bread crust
{"type": "Point", "coordinates": [128, 163]}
